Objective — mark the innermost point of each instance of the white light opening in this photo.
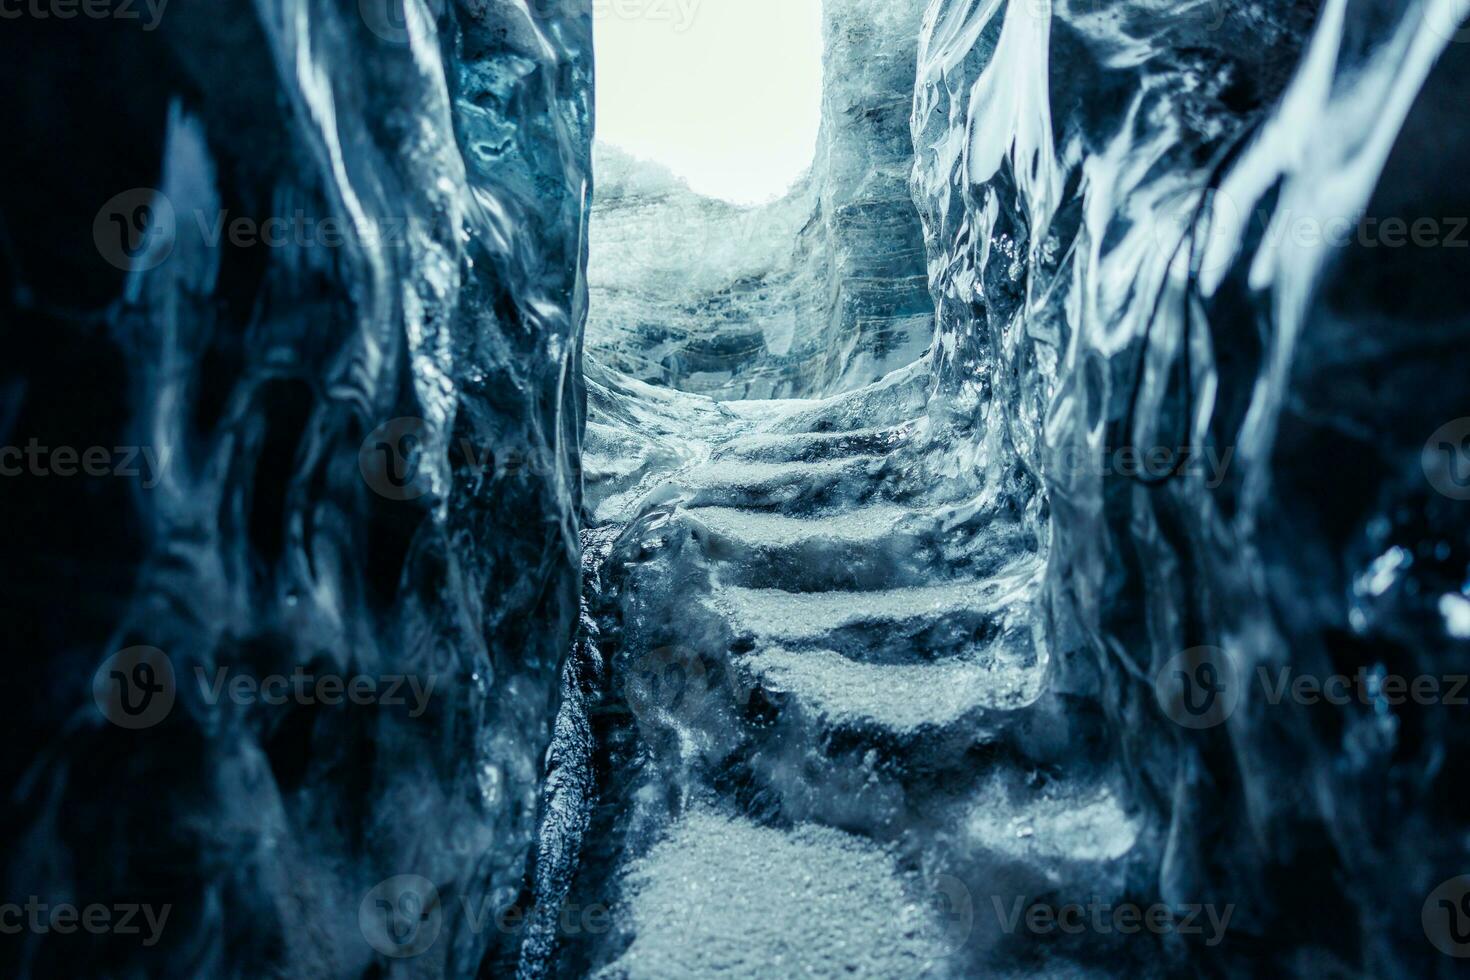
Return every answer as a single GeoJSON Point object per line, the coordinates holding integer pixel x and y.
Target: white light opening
{"type": "Point", "coordinates": [725, 93]}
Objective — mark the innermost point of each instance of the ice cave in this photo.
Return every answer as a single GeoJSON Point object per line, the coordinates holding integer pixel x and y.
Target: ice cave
{"type": "Point", "coordinates": [985, 493]}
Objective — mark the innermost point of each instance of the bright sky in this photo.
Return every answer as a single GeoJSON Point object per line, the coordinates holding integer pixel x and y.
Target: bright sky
{"type": "Point", "coordinates": [725, 93]}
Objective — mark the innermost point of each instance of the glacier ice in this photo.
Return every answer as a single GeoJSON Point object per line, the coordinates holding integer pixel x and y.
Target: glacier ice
{"type": "Point", "coordinates": [420, 291]}
{"type": "Point", "coordinates": [1106, 346]}
{"type": "Point", "coordinates": [1157, 270]}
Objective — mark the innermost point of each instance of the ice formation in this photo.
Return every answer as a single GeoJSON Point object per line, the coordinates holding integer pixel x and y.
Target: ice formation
{"type": "Point", "coordinates": [1088, 359]}
{"type": "Point", "coordinates": [1163, 232]}
{"type": "Point", "coordinates": [367, 416]}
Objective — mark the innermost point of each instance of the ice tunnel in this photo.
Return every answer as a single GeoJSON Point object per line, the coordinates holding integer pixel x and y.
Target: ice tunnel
{"type": "Point", "coordinates": [854, 489]}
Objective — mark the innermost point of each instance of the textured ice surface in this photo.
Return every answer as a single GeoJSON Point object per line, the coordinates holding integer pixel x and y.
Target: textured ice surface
{"type": "Point", "coordinates": [429, 165]}
{"type": "Point", "coordinates": [807, 629]}
{"type": "Point", "coordinates": [1129, 213]}
{"type": "Point", "coordinates": [1051, 824]}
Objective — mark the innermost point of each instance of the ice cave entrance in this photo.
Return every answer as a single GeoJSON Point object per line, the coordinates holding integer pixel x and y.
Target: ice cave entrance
{"type": "Point", "coordinates": [752, 234]}
{"type": "Point", "coordinates": [724, 93]}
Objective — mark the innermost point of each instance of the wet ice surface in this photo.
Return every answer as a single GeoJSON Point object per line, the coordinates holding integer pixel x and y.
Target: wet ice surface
{"type": "Point", "coordinates": [815, 633]}
{"type": "Point", "coordinates": [1140, 270]}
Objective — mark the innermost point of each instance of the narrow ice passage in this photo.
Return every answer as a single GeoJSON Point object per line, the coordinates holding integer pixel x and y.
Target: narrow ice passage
{"type": "Point", "coordinates": [826, 723]}
{"type": "Point", "coordinates": [889, 620]}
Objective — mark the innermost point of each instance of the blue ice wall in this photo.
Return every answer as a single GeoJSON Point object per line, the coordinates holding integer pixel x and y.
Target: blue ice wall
{"type": "Point", "coordinates": [320, 265]}
{"type": "Point", "coordinates": [1185, 325]}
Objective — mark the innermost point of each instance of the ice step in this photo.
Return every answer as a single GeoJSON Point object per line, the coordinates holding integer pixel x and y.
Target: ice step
{"type": "Point", "coordinates": [878, 547]}
{"type": "Point", "coordinates": [767, 530]}
{"type": "Point", "coordinates": [723, 897]}
{"type": "Point", "coordinates": [899, 699]}
{"type": "Point", "coordinates": [1056, 822]}
{"type": "Point", "coordinates": [814, 446]}
{"type": "Point", "coordinates": [753, 483]}
{"type": "Point", "coordinates": [893, 400]}
{"type": "Point", "coordinates": [797, 617]}
{"type": "Point", "coordinates": [906, 624]}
